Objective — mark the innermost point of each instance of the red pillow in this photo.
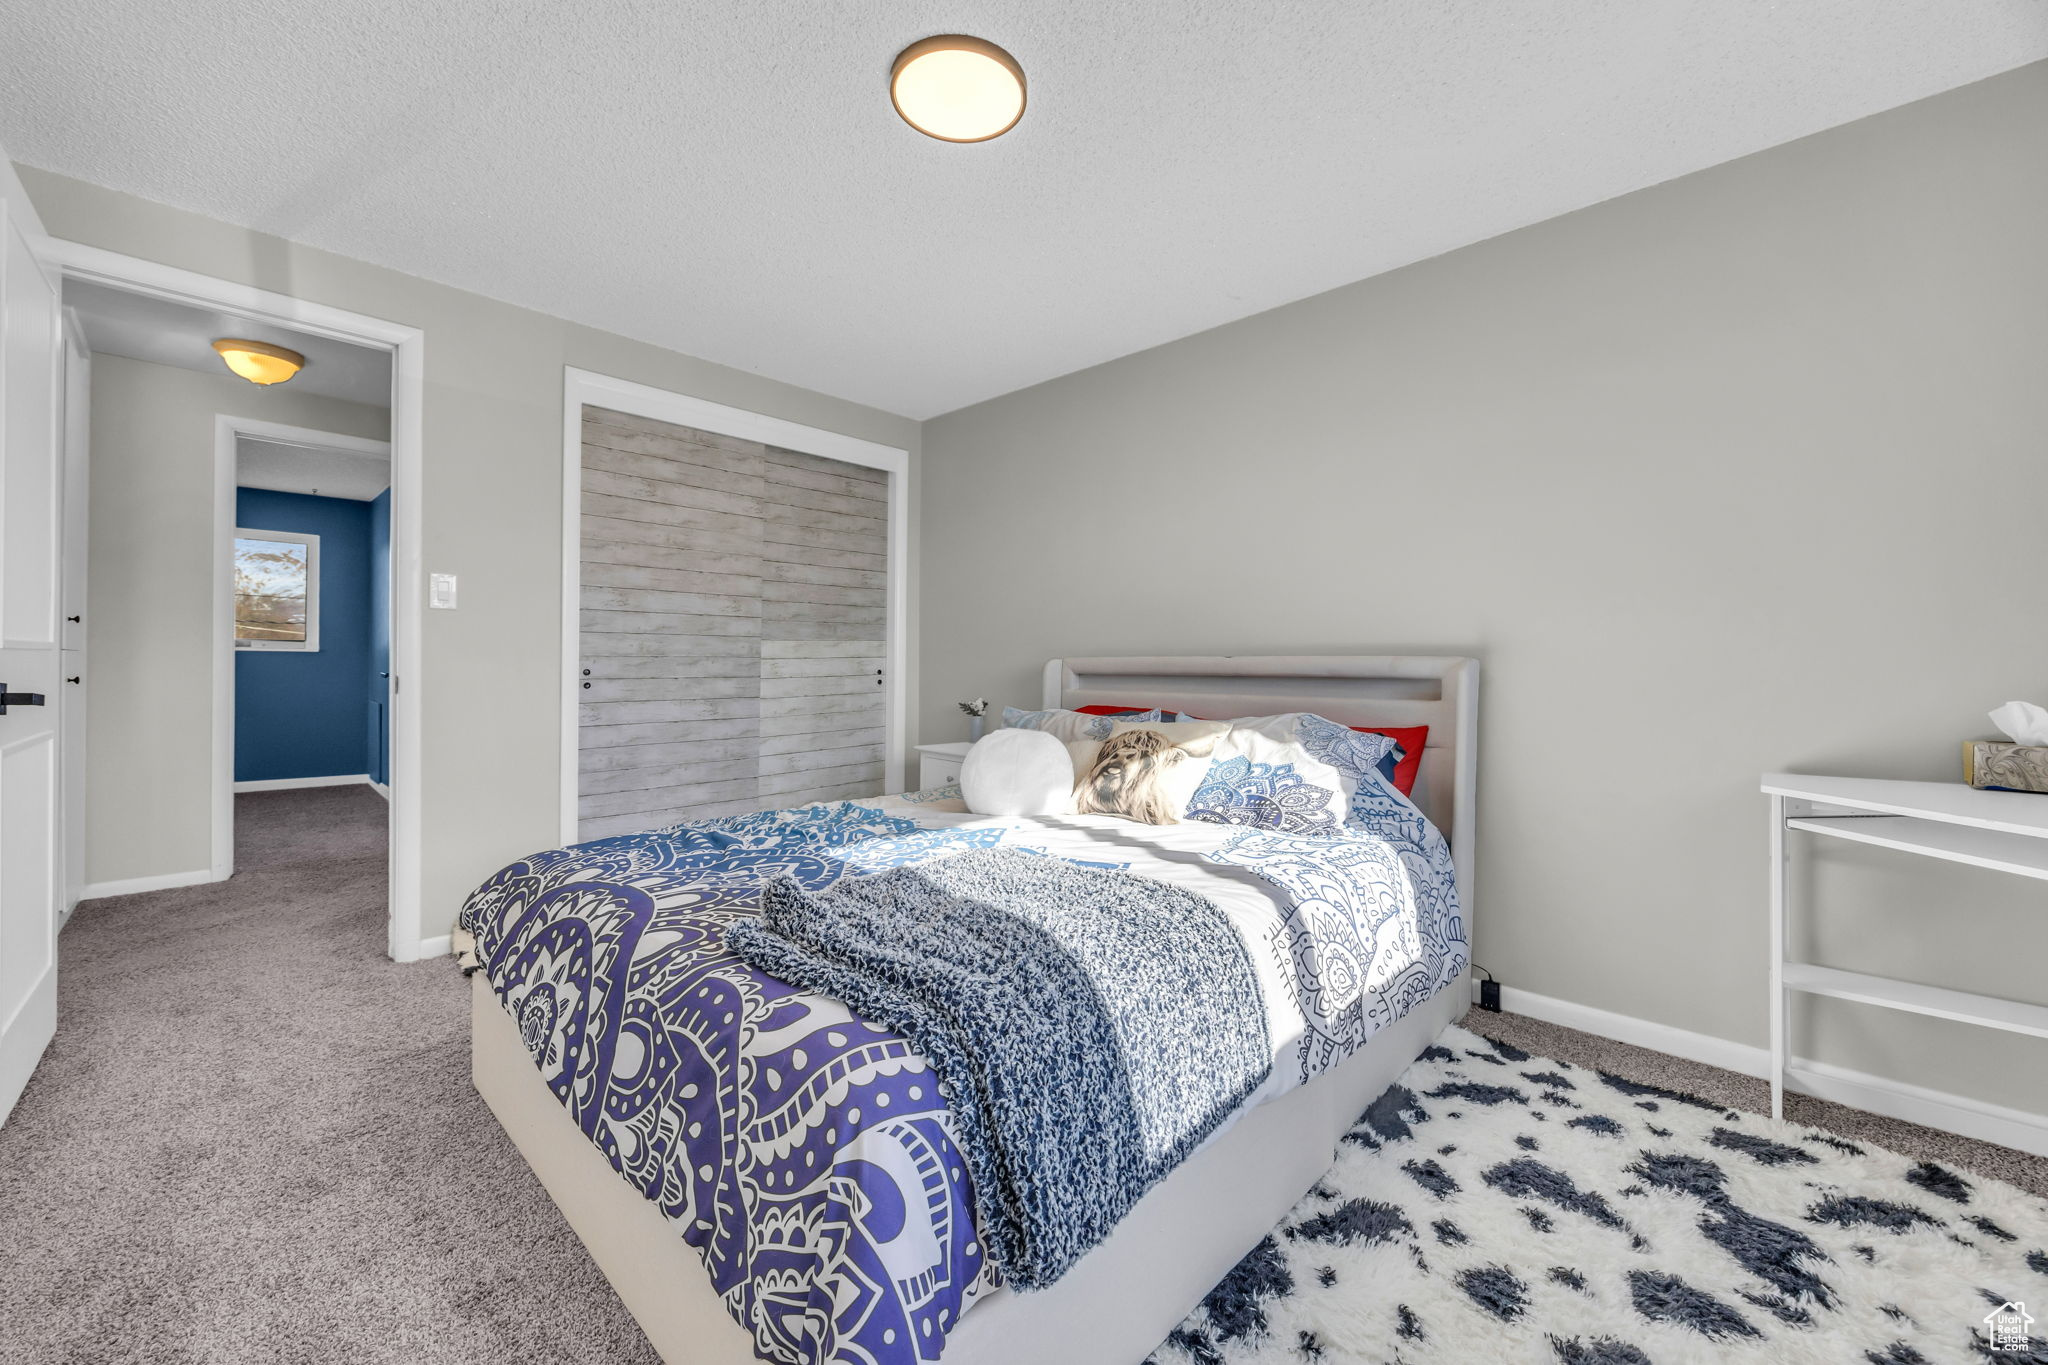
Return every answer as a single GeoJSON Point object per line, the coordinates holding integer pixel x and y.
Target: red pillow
{"type": "Point", "coordinates": [1411, 738]}
{"type": "Point", "coordinates": [1113, 710]}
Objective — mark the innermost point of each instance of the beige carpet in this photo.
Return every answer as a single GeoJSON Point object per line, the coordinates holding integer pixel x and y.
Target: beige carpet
{"type": "Point", "coordinates": [254, 1139]}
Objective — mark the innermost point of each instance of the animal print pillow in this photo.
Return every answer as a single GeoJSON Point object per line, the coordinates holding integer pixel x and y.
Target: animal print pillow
{"type": "Point", "coordinates": [1144, 771]}
{"type": "Point", "coordinates": [1293, 774]}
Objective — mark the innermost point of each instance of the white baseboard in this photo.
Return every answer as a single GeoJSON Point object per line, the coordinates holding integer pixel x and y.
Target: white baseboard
{"type": "Point", "coordinates": [421, 950]}
{"type": "Point", "coordinates": [380, 788]}
{"type": "Point", "coordinates": [1980, 1119]}
{"type": "Point", "coordinates": [161, 882]}
{"type": "Point", "coordinates": [285, 784]}
{"type": "Point", "coordinates": [1626, 1028]}
{"type": "Point", "coordinates": [1824, 1080]}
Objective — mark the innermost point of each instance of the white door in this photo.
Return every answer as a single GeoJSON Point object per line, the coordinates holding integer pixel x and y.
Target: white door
{"type": "Point", "coordinates": [31, 349]}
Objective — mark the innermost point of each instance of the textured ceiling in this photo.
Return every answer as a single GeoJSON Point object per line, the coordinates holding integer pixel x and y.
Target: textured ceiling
{"type": "Point", "coordinates": [728, 179]}
{"type": "Point", "coordinates": [164, 333]}
{"type": "Point", "coordinates": [287, 467]}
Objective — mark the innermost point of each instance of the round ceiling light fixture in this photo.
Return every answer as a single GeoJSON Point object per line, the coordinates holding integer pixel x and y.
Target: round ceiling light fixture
{"type": "Point", "coordinates": [957, 89]}
{"type": "Point", "coordinates": [259, 362]}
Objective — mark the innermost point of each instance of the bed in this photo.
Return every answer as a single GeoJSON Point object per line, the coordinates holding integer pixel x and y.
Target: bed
{"type": "Point", "coordinates": [865, 1243]}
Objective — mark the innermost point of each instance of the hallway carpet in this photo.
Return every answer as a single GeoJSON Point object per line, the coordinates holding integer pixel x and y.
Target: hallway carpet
{"type": "Point", "coordinates": [254, 1139]}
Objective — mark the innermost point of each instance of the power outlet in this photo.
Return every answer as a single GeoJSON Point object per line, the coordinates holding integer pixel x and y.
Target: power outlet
{"type": "Point", "coordinates": [1489, 995]}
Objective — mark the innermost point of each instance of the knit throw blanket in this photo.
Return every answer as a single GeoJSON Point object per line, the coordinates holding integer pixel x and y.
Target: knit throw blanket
{"type": "Point", "coordinates": [1089, 1028]}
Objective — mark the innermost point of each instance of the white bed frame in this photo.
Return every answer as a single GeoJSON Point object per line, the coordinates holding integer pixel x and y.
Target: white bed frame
{"type": "Point", "coordinates": [1121, 1299]}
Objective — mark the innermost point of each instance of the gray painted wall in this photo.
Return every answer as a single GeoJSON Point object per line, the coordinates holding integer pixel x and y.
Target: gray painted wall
{"type": "Point", "coordinates": [1738, 473]}
{"type": "Point", "coordinates": [150, 643]}
{"type": "Point", "coordinates": [490, 677]}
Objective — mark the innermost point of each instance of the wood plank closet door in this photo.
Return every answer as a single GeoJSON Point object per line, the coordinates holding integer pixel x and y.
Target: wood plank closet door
{"type": "Point", "coordinates": [734, 626]}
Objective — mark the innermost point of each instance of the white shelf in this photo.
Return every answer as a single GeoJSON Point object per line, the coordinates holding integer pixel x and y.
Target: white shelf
{"type": "Point", "coordinates": [1972, 844]}
{"type": "Point", "coordinates": [1951, 821]}
{"type": "Point", "coordinates": [1952, 803]}
{"type": "Point", "coordinates": [1965, 1006]}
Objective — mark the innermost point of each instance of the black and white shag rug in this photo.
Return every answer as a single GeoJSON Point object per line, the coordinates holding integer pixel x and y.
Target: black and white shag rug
{"type": "Point", "coordinates": [1495, 1206]}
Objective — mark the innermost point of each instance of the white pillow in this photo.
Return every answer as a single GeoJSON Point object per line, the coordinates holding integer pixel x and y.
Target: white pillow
{"type": "Point", "coordinates": [1017, 772]}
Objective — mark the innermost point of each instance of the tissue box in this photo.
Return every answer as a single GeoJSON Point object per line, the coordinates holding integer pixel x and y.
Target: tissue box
{"type": "Point", "coordinates": [1998, 766]}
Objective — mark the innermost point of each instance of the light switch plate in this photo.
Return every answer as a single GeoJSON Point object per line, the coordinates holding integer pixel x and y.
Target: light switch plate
{"type": "Point", "coordinates": [441, 590]}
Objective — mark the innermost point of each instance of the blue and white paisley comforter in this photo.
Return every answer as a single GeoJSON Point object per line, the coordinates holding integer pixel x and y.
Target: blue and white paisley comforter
{"type": "Point", "coordinates": [805, 1152]}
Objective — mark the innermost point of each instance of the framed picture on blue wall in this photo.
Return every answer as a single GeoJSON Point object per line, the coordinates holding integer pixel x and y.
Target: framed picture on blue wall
{"type": "Point", "coordinates": [277, 590]}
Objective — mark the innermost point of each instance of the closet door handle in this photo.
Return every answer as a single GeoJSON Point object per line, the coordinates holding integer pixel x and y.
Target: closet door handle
{"type": "Point", "coordinates": [74, 620]}
{"type": "Point", "coordinates": [8, 699]}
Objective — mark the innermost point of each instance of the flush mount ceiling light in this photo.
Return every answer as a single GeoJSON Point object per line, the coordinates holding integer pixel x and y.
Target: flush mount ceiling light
{"type": "Point", "coordinates": [259, 362]}
{"type": "Point", "coordinates": [957, 89]}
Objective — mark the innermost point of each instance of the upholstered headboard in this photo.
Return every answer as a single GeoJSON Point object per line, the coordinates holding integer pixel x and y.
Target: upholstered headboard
{"type": "Point", "coordinates": [1440, 691]}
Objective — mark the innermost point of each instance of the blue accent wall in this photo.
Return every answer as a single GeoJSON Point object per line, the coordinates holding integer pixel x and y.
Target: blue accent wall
{"type": "Point", "coordinates": [380, 637]}
{"type": "Point", "coordinates": [305, 715]}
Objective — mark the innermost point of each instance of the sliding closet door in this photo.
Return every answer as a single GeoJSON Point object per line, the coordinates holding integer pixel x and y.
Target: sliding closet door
{"type": "Point", "coordinates": [734, 626]}
{"type": "Point", "coordinates": [824, 628]}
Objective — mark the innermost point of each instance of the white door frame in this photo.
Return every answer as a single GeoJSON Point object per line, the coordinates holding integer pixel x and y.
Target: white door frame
{"type": "Point", "coordinates": [77, 455]}
{"type": "Point", "coordinates": [226, 428]}
{"type": "Point", "coordinates": [407, 346]}
{"type": "Point", "coordinates": [581, 388]}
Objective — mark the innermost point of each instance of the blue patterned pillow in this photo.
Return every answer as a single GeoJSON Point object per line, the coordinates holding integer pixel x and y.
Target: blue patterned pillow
{"type": "Point", "coordinates": [1351, 752]}
{"type": "Point", "coordinates": [1293, 774]}
{"type": "Point", "coordinates": [1238, 791]}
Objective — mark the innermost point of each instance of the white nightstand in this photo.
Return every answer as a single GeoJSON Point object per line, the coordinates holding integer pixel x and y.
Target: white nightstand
{"type": "Point", "coordinates": [938, 765]}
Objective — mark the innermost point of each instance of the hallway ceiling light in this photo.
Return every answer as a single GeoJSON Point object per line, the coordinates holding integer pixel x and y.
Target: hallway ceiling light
{"type": "Point", "coordinates": [259, 362]}
{"type": "Point", "coordinates": [957, 89]}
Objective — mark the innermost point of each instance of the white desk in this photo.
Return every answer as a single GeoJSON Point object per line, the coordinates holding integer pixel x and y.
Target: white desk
{"type": "Point", "coordinates": [2004, 831]}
